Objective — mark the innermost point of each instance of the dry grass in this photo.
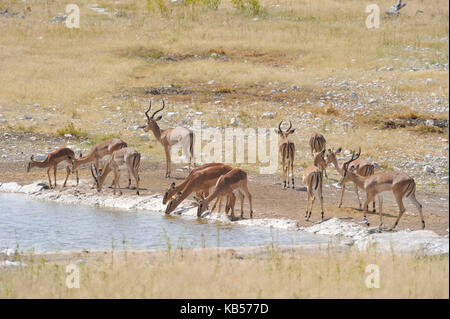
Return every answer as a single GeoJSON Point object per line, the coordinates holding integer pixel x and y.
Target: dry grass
{"type": "Point", "coordinates": [176, 275]}
{"type": "Point", "coordinates": [114, 60]}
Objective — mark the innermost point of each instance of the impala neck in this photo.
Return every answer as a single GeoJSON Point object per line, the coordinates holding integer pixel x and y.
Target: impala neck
{"type": "Point", "coordinates": [39, 164]}
{"type": "Point", "coordinates": [357, 179]}
{"type": "Point", "coordinates": [156, 131]}
{"type": "Point", "coordinates": [106, 170]}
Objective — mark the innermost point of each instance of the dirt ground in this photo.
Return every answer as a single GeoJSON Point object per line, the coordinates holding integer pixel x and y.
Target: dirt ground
{"type": "Point", "coordinates": [269, 199]}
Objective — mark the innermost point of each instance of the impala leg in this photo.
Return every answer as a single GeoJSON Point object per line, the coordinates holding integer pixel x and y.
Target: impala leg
{"type": "Point", "coordinates": [168, 161]}
{"type": "Point", "coordinates": [419, 207]}
{"type": "Point", "coordinates": [380, 207]}
{"type": "Point", "coordinates": [241, 197]}
{"type": "Point", "coordinates": [129, 178]}
{"type": "Point", "coordinates": [67, 176]}
{"type": "Point", "coordinates": [249, 196]}
{"type": "Point", "coordinates": [76, 174]}
{"type": "Point", "coordinates": [357, 194]}
{"type": "Point", "coordinates": [321, 199]}
{"type": "Point", "coordinates": [54, 173]}
{"type": "Point", "coordinates": [313, 199]}
{"type": "Point", "coordinates": [366, 208]}
{"type": "Point", "coordinates": [307, 203]}
{"type": "Point", "coordinates": [284, 172]}
{"type": "Point", "coordinates": [215, 203]}
{"type": "Point", "coordinates": [401, 207]}
{"type": "Point", "coordinates": [342, 197]}
{"type": "Point", "coordinates": [292, 171]}
{"type": "Point", "coordinates": [116, 182]}
{"type": "Point", "coordinates": [48, 174]}
{"type": "Point", "coordinates": [136, 178]}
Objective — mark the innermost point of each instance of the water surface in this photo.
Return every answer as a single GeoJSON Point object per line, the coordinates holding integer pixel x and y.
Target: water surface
{"type": "Point", "coordinates": [45, 226]}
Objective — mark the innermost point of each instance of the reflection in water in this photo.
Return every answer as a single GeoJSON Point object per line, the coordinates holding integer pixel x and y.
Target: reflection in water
{"type": "Point", "coordinates": [39, 225]}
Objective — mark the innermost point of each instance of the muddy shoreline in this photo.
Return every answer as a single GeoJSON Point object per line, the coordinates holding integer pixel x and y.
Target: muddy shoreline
{"type": "Point", "coordinates": [342, 233]}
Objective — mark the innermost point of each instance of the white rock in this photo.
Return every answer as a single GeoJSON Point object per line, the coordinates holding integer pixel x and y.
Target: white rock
{"type": "Point", "coordinates": [234, 122]}
{"type": "Point", "coordinates": [429, 122]}
{"type": "Point", "coordinates": [268, 115]}
{"type": "Point", "coordinates": [144, 137]}
{"type": "Point", "coordinates": [428, 169]}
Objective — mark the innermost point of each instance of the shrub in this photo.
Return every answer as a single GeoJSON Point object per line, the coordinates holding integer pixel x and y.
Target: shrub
{"type": "Point", "coordinates": [72, 130]}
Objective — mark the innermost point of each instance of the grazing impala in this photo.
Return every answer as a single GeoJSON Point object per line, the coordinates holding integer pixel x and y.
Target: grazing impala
{"type": "Point", "coordinates": [313, 179]}
{"type": "Point", "coordinates": [317, 142]}
{"type": "Point", "coordinates": [170, 136]}
{"type": "Point", "coordinates": [125, 157]}
{"type": "Point", "coordinates": [98, 151]}
{"type": "Point", "coordinates": [236, 179]}
{"type": "Point", "coordinates": [198, 182]}
{"type": "Point", "coordinates": [400, 184]}
{"type": "Point", "coordinates": [52, 160]}
{"type": "Point", "coordinates": [286, 149]}
{"type": "Point", "coordinates": [363, 168]}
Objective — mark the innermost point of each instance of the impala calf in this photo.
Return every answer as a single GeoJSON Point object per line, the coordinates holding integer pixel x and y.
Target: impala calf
{"type": "Point", "coordinates": [169, 137]}
{"type": "Point", "coordinates": [363, 168]}
{"type": "Point", "coordinates": [52, 160]}
{"type": "Point", "coordinates": [313, 179]}
{"type": "Point", "coordinates": [236, 179]}
{"type": "Point", "coordinates": [286, 149]}
{"type": "Point", "coordinates": [400, 184]}
{"type": "Point", "coordinates": [127, 158]}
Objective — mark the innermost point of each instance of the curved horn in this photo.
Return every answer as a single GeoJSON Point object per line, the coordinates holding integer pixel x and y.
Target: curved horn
{"type": "Point", "coordinates": [164, 105]}
{"type": "Point", "coordinates": [290, 126]}
{"type": "Point", "coordinates": [279, 126]}
{"type": "Point", "coordinates": [146, 112]}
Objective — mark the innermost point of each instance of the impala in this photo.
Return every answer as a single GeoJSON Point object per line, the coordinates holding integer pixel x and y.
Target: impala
{"type": "Point", "coordinates": [98, 151]}
{"type": "Point", "coordinates": [317, 143]}
{"type": "Point", "coordinates": [363, 168]}
{"type": "Point", "coordinates": [169, 137]}
{"type": "Point", "coordinates": [313, 179]}
{"type": "Point", "coordinates": [199, 182]}
{"type": "Point", "coordinates": [127, 158]}
{"type": "Point", "coordinates": [236, 179]}
{"type": "Point", "coordinates": [52, 160]}
{"type": "Point", "coordinates": [399, 183]}
{"type": "Point", "coordinates": [286, 149]}
{"type": "Point", "coordinates": [175, 189]}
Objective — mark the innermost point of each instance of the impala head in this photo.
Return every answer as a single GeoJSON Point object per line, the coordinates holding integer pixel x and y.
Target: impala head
{"type": "Point", "coordinates": [173, 203]}
{"type": "Point", "coordinates": [98, 179]}
{"type": "Point", "coordinates": [330, 155]}
{"type": "Point", "coordinates": [349, 171]}
{"type": "Point", "coordinates": [202, 206]}
{"type": "Point", "coordinates": [168, 193]}
{"type": "Point", "coordinates": [30, 163]}
{"type": "Point", "coordinates": [151, 120]}
{"type": "Point", "coordinates": [286, 133]}
{"type": "Point", "coordinates": [319, 160]}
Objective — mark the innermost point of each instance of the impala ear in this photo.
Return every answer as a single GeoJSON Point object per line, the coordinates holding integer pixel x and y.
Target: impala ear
{"type": "Point", "coordinates": [32, 157]}
{"type": "Point", "coordinates": [292, 131]}
{"type": "Point", "coordinates": [277, 131]}
{"type": "Point", "coordinates": [196, 199]}
{"type": "Point", "coordinates": [158, 118]}
{"type": "Point", "coordinates": [172, 186]}
{"type": "Point", "coordinates": [339, 150]}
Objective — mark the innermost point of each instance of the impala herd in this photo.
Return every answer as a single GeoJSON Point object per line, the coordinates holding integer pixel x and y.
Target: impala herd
{"type": "Point", "coordinates": [228, 181]}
